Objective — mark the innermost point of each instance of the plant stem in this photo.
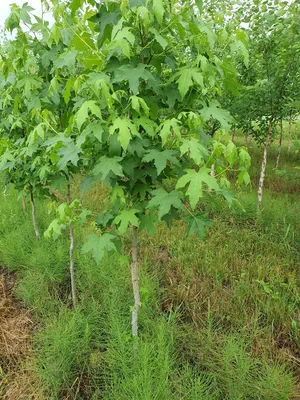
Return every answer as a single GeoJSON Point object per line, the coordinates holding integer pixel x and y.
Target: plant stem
{"type": "Point", "coordinates": [263, 166]}
{"type": "Point", "coordinates": [135, 283]}
{"type": "Point", "coordinates": [72, 260]}
{"type": "Point", "coordinates": [290, 132]}
{"type": "Point", "coordinates": [279, 147]}
{"type": "Point", "coordinates": [35, 225]}
{"type": "Point", "coordinates": [233, 134]}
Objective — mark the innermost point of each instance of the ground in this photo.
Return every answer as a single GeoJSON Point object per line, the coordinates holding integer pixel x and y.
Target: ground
{"type": "Point", "coordinates": [219, 318]}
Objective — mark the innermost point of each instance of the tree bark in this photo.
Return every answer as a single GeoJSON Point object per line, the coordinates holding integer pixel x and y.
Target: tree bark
{"type": "Point", "coordinates": [71, 251]}
{"type": "Point", "coordinates": [135, 283]}
{"type": "Point", "coordinates": [233, 134]}
{"type": "Point", "coordinates": [290, 132]}
{"type": "Point", "coordinates": [246, 140]}
{"type": "Point", "coordinates": [24, 204]}
{"type": "Point", "coordinates": [35, 225]}
{"type": "Point", "coordinates": [263, 166]}
{"type": "Point", "coordinates": [212, 170]}
{"type": "Point", "coordinates": [279, 146]}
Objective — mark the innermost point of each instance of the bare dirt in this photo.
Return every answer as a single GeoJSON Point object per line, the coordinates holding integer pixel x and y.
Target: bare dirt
{"type": "Point", "coordinates": [17, 378]}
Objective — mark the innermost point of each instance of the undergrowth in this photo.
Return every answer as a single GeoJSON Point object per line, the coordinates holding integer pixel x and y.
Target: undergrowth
{"type": "Point", "coordinates": [219, 318]}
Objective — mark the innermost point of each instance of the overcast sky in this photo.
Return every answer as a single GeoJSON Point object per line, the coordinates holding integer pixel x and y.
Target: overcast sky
{"type": "Point", "coordinates": [5, 9]}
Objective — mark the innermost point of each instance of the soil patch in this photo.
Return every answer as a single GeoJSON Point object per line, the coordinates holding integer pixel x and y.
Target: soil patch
{"type": "Point", "coordinates": [16, 325]}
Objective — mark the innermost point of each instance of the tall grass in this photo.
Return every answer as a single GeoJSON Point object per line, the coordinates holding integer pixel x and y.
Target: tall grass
{"type": "Point", "coordinates": [219, 319]}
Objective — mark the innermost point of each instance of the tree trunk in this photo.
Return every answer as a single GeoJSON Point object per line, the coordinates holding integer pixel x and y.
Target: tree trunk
{"type": "Point", "coordinates": [35, 225]}
{"type": "Point", "coordinates": [72, 261]}
{"type": "Point", "coordinates": [263, 166]}
{"type": "Point", "coordinates": [279, 147]}
{"type": "Point", "coordinates": [290, 132]}
{"type": "Point", "coordinates": [24, 204]}
{"type": "Point", "coordinates": [233, 134]}
{"type": "Point", "coordinates": [135, 283]}
{"type": "Point", "coordinates": [212, 170]}
{"type": "Point", "coordinates": [246, 140]}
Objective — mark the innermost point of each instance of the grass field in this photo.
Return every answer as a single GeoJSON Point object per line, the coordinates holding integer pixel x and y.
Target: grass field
{"type": "Point", "coordinates": [220, 318]}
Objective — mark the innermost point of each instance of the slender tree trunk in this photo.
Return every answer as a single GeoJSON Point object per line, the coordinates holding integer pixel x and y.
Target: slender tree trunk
{"type": "Point", "coordinates": [135, 283]}
{"type": "Point", "coordinates": [35, 225]}
{"type": "Point", "coordinates": [246, 140]}
{"type": "Point", "coordinates": [279, 147]}
{"type": "Point", "coordinates": [72, 260]}
{"type": "Point", "coordinates": [263, 166]}
{"type": "Point", "coordinates": [24, 204]}
{"type": "Point", "coordinates": [212, 170]}
{"type": "Point", "coordinates": [290, 132]}
{"type": "Point", "coordinates": [233, 134]}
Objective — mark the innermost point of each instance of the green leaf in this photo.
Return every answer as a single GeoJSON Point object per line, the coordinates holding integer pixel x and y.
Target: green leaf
{"type": "Point", "coordinates": [161, 158]}
{"type": "Point", "coordinates": [230, 153]}
{"type": "Point", "coordinates": [125, 128]}
{"type": "Point", "coordinates": [133, 75]}
{"type": "Point", "coordinates": [68, 60]}
{"type": "Point", "coordinates": [244, 158]}
{"type": "Point", "coordinates": [69, 153]}
{"type": "Point", "coordinates": [189, 76]}
{"type": "Point", "coordinates": [107, 165]}
{"type": "Point", "coordinates": [243, 177]}
{"type": "Point", "coordinates": [199, 4]}
{"type": "Point", "coordinates": [168, 128]}
{"type": "Point", "coordinates": [223, 116]}
{"type": "Point", "coordinates": [67, 91]}
{"type": "Point", "coordinates": [147, 124]}
{"type": "Point", "coordinates": [54, 229]}
{"type": "Point", "coordinates": [104, 219]}
{"type": "Point", "coordinates": [198, 224]}
{"type": "Point", "coordinates": [148, 222]}
{"type": "Point", "coordinates": [195, 181]}
{"type": "Point", "coordinates": [83, 113]}
{"type": "Point", "coordinates": [75, 5]}
{"type": "Point", "coordinates": [126, 218]}
{"type": "Point", "coordinates": [137, 103]}
{"type": "Point", "coordinates": [158, 10]}
{"type": "Point", "coordinates": [161, 40]}
{"type": "Point", "coordinates": [95, 129]}
{"type": "Point", "coordinates": [164, 201]}
{"type": "Point", "coordinates": [98, 245]}
{"type": "Point", "coordinates": [195, 149]}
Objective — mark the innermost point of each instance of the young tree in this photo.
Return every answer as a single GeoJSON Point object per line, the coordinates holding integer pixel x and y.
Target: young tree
{"type": "Point", "coordinates": [273, 68]}
{"type": "Point", "coordinates": [129, 88]}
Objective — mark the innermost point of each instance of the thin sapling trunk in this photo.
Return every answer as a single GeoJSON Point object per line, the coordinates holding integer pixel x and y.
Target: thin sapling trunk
{"type": "Point", "coordinates": [233, 134]}
{"type": "Point", "coordinates": [290, 133]}
{"type": "Point", "coordinates": [279, 146]}
{"type": "Point", "coordinates": [33, 212]}
{"type": "Point", "coordinates": [212, 170]}
{"type": "Point", "coordinates": [263, 166]}
{"type": "Point", "coordinates": [71, 251]}
{"type": "Point", "coordinates": [135, 283]}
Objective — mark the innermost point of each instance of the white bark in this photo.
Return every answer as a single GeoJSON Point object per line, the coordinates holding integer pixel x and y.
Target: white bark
{"type": "Point", "coordinates": [135, 283]}
{"type": "Point", "coordinates": [279, 146]}
{"type": "Point", "coordinates": [72, 260]}
{"type": "Point", "coordinates": [35, 225]}
{"type": "Point", "coordinates": [263, 166]}
{"type": "Point", "coordinates": [212, 170]}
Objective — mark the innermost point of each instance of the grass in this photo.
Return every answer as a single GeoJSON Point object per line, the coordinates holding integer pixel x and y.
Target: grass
{"type": "Point", "coordinates": [219, 318]}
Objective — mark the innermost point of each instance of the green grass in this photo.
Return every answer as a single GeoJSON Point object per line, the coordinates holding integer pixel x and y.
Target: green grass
{"type": "Point", "coordinates": [219, 319]}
